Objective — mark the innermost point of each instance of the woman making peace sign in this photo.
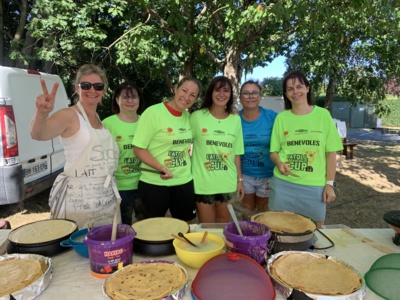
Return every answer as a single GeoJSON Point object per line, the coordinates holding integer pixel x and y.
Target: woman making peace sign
{"type": "Point", "coordinates": [85, 192]}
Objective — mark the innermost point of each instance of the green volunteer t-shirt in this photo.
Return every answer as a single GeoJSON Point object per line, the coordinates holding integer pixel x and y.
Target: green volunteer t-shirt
{"type": "Point", "coordinates": [168, 138]}
{"type": "Point", "coordinates": [127, 178]}
{"type": "Point", "coordinates": [303, 141]}
{"type": "Point", "coordinates": [216, 143]}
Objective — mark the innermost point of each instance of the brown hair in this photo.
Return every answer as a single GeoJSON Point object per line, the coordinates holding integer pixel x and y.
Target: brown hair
{"type": "Point", "coordinates": [293, 76]}
{"type": "Point", "coordinates": [217, 82]}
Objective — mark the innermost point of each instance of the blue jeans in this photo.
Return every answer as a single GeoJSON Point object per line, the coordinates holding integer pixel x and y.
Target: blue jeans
{"type": "Point", "coordinates": [130, 203]}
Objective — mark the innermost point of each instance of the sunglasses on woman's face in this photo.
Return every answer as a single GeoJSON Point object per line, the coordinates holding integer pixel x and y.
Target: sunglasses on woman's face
{"type": "Point", "coordinates": [98, 86]}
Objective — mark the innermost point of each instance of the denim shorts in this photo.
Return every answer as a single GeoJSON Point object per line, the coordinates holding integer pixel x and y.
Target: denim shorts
{"type": "Point", "coordinates": [259, 186]}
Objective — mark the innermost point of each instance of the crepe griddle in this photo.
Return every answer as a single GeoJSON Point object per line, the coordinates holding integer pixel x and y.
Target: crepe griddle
{"type": "Point", "coordinates": [393, 218]}
{"type": "Point", "coordinates": [232, 276]}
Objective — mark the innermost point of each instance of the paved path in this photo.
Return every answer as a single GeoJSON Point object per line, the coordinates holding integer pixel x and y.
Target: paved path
{"type": "Point", "coordinates": [372, 135]}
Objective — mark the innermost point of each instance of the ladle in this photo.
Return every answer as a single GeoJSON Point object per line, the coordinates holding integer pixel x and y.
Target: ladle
{"type": "Point", "coordinates": [184, 237]}
{"type": "Point", "coordinates": [233, 215]}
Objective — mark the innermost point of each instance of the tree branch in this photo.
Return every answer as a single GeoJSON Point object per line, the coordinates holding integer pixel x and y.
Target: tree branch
{"type": "Point", "coordinates": [130, 30]}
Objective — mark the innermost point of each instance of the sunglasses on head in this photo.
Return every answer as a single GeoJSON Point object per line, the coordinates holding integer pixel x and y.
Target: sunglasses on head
{"type": "Point", "coordinates": [98, 86]}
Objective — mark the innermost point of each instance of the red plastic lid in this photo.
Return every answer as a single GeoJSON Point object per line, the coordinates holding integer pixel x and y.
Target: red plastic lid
{"type": "Point", "coordinates": [232, 276]}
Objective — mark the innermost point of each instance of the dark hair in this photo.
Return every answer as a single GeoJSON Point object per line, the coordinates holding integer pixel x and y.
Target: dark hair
{"type": "Point", "coordinates": [130, 90]}
{"type": "Point", "coordinates": [300, 76]}
{"type": "Point", "coordinates": [216, 83]}
{"type": "Point", "coordinates": [251, 81]}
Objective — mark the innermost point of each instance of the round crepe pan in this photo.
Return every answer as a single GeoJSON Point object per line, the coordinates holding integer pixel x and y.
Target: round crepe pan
{"type": "Point", "coordinates": [45, 247]}
{"type": "Point", "coordinates": [161, 246]}
{"type": "Point", "coordinates": [393, 219]}
{"type": "Point", "coordinates": [279, 241]}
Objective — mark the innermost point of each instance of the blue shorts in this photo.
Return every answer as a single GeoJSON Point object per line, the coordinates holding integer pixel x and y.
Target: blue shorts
{"type": "Point", "coordinates": [301, 199]}
{"type": "Point", "coordinates": [259, 186]}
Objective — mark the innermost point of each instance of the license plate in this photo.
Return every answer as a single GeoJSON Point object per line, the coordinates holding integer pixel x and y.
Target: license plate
{"type": "Point", "coordinates": [36, 169]}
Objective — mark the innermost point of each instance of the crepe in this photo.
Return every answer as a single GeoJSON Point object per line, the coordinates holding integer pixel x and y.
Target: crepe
{"type": "Point", "coordinates": [314, 274]}
{"type": "Point", "coordinates": [285, 222]}
{"type": "Point", "coordinates": [18, 274]}
{"type": "Point", "coordinates": [159, 229]}
{"type": "Point", "coordinates": [42, 231]}
{"type": "Point", "coordinates": [145, 281]}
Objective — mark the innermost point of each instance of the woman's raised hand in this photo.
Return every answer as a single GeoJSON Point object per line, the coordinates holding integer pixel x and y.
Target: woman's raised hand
{"type": "Point", "coordinates": [45, 101]}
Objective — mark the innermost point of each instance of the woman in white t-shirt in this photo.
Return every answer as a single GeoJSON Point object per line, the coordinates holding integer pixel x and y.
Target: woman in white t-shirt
{"type": "Point", "coordinates": [86, 191]}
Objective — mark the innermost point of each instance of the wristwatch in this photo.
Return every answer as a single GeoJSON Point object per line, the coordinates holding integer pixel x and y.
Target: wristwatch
{"type": "Point", "coordinates": [331, 183]}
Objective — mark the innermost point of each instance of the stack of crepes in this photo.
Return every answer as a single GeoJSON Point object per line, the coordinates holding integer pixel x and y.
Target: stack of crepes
{"type": "Point", "coordinates": [18, 274]}
{"type": "Point", "coordinates": [315, 274]}
{"type": "Point", "coordinates": [149, 281]}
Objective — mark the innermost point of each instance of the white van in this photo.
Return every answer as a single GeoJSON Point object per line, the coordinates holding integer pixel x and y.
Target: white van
{"type": "Point", "coordinates": [27, 167]}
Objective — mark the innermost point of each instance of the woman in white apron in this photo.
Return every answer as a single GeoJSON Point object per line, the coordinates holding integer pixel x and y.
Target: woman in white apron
{"type": "Point", "coordinates": [85, 192]}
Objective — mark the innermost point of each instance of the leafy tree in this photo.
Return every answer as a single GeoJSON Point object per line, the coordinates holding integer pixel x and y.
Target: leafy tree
{"type": "Point", "coordinates": [343, 46]}
{"type": "Point", "coordinates": [15, 41]}
{"type": "Point", "coordinates": [347, 48]}
{"type": "Point", "coordinates": [272, 86]}
{"type": "Point", "coordinates": [217, 36]}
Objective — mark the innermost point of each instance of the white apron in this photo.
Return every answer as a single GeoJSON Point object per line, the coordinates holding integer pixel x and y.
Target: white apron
{"type": "Point", "coordinates": [86, 193]}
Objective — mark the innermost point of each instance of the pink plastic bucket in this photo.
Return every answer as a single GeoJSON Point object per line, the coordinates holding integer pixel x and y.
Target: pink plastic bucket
{"type": "Point", "coordinates": [108, 256]}
{"type": "Point", "coordinates": [253, 243]}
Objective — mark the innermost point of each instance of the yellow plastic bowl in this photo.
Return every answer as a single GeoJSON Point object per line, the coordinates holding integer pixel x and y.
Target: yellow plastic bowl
{"type": "Point", "coordinates": [196, 258]}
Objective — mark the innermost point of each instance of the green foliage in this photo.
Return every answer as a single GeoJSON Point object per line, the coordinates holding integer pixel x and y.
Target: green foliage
{"type": "Point", "coordinates": [345, 47]}
{"type": "Point", "coordinates": [349, 46]}
{"type": "Point", "coordinates": [272, 86]}
{"type": "Point", "coordinates": [392, 116]}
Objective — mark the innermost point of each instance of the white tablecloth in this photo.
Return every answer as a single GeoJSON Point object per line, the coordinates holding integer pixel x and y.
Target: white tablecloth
{"type": "Point", "coordinates": [72, 278]}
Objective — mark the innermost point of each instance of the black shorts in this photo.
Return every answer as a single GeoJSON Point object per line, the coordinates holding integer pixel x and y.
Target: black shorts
{"type": "Point", "coordinates": [209, 199]}
{"type": "Point", "coordinates": [178, 199]}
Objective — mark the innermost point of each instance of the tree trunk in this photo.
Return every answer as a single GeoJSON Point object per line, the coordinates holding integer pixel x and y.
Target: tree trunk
{"type": "Point", "coordinates": [1, 35]}
{"type": "Point", "coordinates": [19, 33]}
{"type": "Point", "coordinates": [230, 72]}
{"type": "Point", "coordinates": [233, 69]}
{"type": "Point", "coordinates": [187, 68]}
{"type": "Point", "coordinates": [29, 45]}
{"type": "Point", "coordinates": [330, 92]}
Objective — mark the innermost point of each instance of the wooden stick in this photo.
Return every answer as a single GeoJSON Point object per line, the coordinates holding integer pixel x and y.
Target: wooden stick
{"type": "Point", "coordinates": [147, 170]}
{"type": "Point", "coordinates": [203, 240]}
{"type": "Point", "coordinates": [181, 239]}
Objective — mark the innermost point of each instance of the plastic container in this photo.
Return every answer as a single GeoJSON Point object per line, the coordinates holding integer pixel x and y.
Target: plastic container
{"type": "Point", "coordinates": [108, 256]}
{"type": "Point", "coordinates": [232, 276]}
{"type": "Point", "coordinates": [196, 257]}
{"type": "Point", "coordinates": [253, 243]}
{"type": "Point", "coordinates": [76, 241]}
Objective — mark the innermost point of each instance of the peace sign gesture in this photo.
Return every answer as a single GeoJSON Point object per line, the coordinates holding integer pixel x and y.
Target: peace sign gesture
{"type": "Point", "coordinates": [45, 101]}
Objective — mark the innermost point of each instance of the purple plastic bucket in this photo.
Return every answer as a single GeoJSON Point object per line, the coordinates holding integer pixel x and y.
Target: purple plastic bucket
{"type": "Point", "coordinates": [253, 243]}
{"type": "Point", "coordinates": [108, 256]}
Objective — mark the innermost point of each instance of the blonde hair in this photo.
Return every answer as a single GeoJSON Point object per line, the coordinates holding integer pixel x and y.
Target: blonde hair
{"type": "Point", "coordinates": [89, 69]}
